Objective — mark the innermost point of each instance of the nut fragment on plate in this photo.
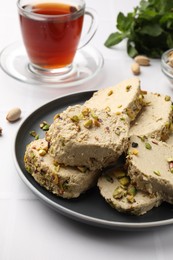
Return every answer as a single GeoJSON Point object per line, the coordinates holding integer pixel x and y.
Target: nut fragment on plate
{"type": "Point", "coordinates": [13, 114]}
{"type": "Point", "coordinates": [142, 60]}
{"type": "Point", "coordinates": [0, 131]}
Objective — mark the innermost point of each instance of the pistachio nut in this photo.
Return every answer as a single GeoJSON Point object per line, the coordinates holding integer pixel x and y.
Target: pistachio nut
{"type": "Point", "coordinates": [142, 60]}
{"type": "Point", "coordinates": [13, 114]}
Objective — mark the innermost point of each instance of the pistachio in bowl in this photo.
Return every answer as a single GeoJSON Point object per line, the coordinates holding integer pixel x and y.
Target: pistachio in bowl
{"type": "Point", "coordinates": [167, 64]}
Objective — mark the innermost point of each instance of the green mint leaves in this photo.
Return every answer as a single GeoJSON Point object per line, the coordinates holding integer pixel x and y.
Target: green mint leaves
{"type": "Point", "coordinates": [148, 29]}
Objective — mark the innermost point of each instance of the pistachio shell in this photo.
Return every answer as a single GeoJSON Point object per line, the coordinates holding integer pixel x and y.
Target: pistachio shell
{"type": "Point", "coordinates": [13, 114]}
{"type": "Point", "coordinates": [142, 60]}
{"type": "Point", "coordinates": [135, 67]}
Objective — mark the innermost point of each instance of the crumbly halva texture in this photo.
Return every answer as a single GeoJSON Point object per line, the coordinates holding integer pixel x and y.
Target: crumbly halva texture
{"type": "Point", "coordinates": [117, 190]}
{"type": "Point", "coordinates": [150, 166]}
{"type": "Point", "coordinates": [66, 182]}
{"type": "Point", "coordinates": [125, 97]}
{"type": "Point", "coordinates": [155, 118]}
{"type": "Point", "coordinates": [93, 138]}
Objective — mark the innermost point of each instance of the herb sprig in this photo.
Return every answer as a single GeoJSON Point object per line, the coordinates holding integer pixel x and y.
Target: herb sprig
{"type": "Point", "coordinates": [148, 29]}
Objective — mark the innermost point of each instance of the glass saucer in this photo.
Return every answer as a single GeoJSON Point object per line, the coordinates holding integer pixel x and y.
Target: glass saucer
{"type": "Point", "coordinates": [86, 65]}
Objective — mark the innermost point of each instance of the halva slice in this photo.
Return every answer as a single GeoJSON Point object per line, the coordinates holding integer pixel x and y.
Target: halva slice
{"type": "Point", "coordinates": [155, 118]}
{"type": "Point", "coordinates": [118, 191]}
{"type": "Point", "coordinates": [66, 182]}
{"type": "Point", "coordinates": [125, 97]}
{"type": "Point", "coordinates": [150, 166]}
{"type": "Point", "coordinates": [93, 138]}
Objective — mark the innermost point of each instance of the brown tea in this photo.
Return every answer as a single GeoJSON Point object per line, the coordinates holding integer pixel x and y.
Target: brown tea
{"type": "Point", "coordinates": [52, 39]}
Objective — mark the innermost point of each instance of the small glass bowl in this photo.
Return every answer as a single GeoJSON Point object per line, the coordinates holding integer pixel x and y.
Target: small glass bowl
{"type": "Point", "coordinates": [166, 66]}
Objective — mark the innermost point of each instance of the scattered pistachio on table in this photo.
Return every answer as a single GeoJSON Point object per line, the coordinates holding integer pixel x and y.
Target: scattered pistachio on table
{"type": "Point", "coordinates": [142, 60]}
{"type": "Point", "coordinates": [139, 61]}
{"type": "Point", "coordinates": [13, 114]}
{"type": "Point", "coordinates": [135, 67]}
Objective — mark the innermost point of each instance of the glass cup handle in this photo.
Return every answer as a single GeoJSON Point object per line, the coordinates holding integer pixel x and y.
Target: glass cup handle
{"type": "Point", "coordinates": [92, 27]}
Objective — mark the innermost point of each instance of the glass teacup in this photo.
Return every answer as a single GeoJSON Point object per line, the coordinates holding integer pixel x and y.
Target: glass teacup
{"type": "Point", "coordinates": [51, 32]}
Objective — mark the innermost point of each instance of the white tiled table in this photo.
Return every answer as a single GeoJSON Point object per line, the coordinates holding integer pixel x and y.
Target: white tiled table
{"type": "Point", "coordinates": [29, 230]}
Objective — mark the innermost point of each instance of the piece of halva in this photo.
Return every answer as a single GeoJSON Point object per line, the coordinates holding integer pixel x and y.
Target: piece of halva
{"type": "Point", "coordinates": [93, 138]}
{"type": "Point", "coordinates": [150, 166]}
{"type": "Point", "coordinates": [118, 191]}
{"type": "Point", "coordinates": [155, 118]}
{"type": "Point", "coordinates": [66, 182]}
{"type": "Point", "coordinates": [124, 97]}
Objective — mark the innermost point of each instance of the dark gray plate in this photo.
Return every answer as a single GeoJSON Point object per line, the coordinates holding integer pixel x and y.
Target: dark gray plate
{"type": "Point", "coordinates": [90, 207]}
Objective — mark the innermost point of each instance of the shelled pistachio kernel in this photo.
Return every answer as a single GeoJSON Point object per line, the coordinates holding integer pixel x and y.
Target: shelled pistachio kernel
{"type": "Point", "coordinates": [118, 113]}
{"type": "Point", "coordinates": [75, 119]}
{"type": "Point", "coordinates": [131, 190]}
{"type": "Point", "coordinates": [157, 173]}
{"type": "Point", "coordinates": [56, 116]}
{"type": "Point", "coordinates": [34, 134]}
{"type": "Point", "coordinates": [110, 92]}
{"type": "Point", "coordinates": [88, 124]}
{"type": "Point", "coordinates": [93, 115]}
{"type": "Point", "coordinates": [42, 152]}
{"type": "Point", "coordinates": [167, 98]}
{"type": "Point", "coordinates": [148, 146]}
{"type": "Point", "coordinates": [44, 126]}
{"type": "Point", "coordinates": [130, 198]}
{"type": "Point", "coordinates": [124, 180]}
{"type": "Point", "coordinates": [119, 192]}
{"type": "Point", "coordinates": [86, 111]}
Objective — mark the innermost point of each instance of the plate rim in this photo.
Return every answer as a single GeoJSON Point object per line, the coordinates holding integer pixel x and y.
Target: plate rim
{"type": "Point", "coordinates": [68, 212]}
